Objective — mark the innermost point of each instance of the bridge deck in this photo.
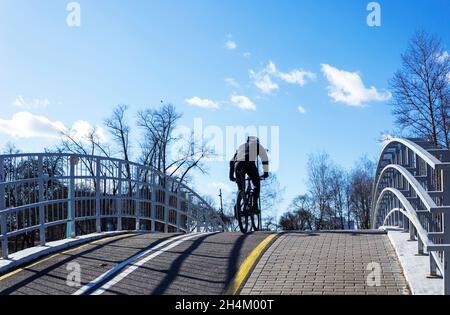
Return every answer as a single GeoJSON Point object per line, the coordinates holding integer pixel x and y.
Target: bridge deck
{"type": "Point", "coordinates": [327, 263]}
{"type": "Point", "coordinates": [206, 264]}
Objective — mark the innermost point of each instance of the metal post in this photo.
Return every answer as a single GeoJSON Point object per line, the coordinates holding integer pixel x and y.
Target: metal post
{"type": "Point", "coordinates": [412, 232]}
{"type": "Point", "coordinates": [446, 275]}
{"type": "Point", "coordinates": [179, 205]}
{"type": "Point", "coordinates": [197, 215]}
{"type": "Point", "coordinates": [405, 224]}
{"type": "Point", "coordinates": [3, 225]}
{"type": "Point", "coordinates": [119, 199]}
{"type": "Point", "coordinates": [166, 204]}
{"type": "Point", "coordinates": [420, 247]}
{"type": "Point", "coordinates": [433, 267]}
{"type": "Point", "coordinates": [71, 233]}
{"type": "Point", "coordinates": [98, 222]}
{"type": "Point", "coordinates": [207, 218]}
{"type": "Point", "coordinates": [154, 201]}
{"type": "Point", "coordinates": [138, 205]}
{"type": "Point", "coordinates": [41, 200]}
{"type": "Point", "coordinates": [446, 229]}
{"type": "Point", "coordinates": [189, 212]}
{"type": "Point", "coordinates": [4, 231]}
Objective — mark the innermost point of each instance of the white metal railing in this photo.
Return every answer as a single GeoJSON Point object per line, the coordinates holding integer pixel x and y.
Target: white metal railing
{"type": "Point", "coordinates": [47, 197]}
{"type": "Point", "coordinates": [412, 191]}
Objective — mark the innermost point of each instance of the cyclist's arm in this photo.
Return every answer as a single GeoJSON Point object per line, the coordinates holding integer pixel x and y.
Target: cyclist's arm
{"type": "Point", "coordinates": [232, 164]}
{"type": "Point", "coordinates": [264, 158]}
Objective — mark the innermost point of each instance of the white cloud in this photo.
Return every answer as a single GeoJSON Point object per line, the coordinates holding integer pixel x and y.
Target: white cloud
{"type": "Point", "coordinates": [232, 82]}
{"type": "Point", "coordinates": [247, 54]}
{"type": "Point", "coordinates": [230, 44]}
{"type": "Point", "coordinates": [263, 79]}
{"type": "Point", "coordinates": [299, 77]}
{"type": "Point", "coordinates": [27, 125]}
{"type": "Point", "coordinates": [203, 103]}
{"type": "Point", "coordinates": [348, 88]}
{"type": "Point", "coordinates": [35, 103]}
{"type": "Point", "coordinates": [264, 82]}
{"type": "Point", "coordinates": [301, 110]}
{"type": "Point", "coordinates": [81, 130]}
{"type": "Point", "coordinates": [243, 102]}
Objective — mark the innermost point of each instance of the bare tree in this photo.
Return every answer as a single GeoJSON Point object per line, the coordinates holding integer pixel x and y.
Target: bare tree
{"type": "Point", "coordinates": [158, 125]}
{"type": "Point", "coordinates": [159, 137]}
{"type": "Point", "coordinates": [300, 216]}
{"type": "Point", "coordinates": [338, 182]}
{"type": "Point", "coordinates": [120, 131]}
{"type": "Point", "coordinates": [420, 89]}
{"type": "Point", "coordinates": [319, 168]}
{"type": "Point", "coordinates": [270, 223]}
{"type": "Point", "coordinates": [360, 190]}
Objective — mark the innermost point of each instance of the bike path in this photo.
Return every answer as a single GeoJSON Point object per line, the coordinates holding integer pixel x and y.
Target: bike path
{"type": "Point", "coordinates": [180, 264]}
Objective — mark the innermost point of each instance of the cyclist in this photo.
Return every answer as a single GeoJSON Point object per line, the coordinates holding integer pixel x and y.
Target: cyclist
{"type": "Point", "coordinates": [244, 163]}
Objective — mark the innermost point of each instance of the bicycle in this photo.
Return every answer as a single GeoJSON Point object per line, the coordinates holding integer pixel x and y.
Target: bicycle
{"type": "Point", "coordinates": [245, 211]}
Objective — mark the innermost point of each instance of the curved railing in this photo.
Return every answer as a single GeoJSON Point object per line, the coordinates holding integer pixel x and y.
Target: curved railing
{"type": "Point", "coordinates": [52, 196]}
{"type": "Point", "coordinates": [412, 191]}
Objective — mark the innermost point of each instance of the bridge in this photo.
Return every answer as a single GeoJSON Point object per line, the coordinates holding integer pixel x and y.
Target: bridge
{"type": "Point", "coordinates": [90, 225]}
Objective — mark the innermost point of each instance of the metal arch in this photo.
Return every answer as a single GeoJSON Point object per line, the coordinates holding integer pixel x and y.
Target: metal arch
{"type": "Point", "coordinates": [143, 177]}
{"type": "Point", "coordinates": [410, 209]}
{"type": "Point", "coordinates": [424, 154]}
{"type": "Point", "coordinates": [420, 191]}
{"type": "Point", "coordinates": [395, 178]}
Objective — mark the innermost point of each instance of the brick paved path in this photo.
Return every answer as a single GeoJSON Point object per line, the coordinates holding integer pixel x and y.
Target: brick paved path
{"type": "Point", "coordinates": [327, 263]}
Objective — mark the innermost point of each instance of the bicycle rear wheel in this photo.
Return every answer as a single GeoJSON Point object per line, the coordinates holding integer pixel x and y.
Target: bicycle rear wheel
{"type": "Point", "coordinates": [242, 213]}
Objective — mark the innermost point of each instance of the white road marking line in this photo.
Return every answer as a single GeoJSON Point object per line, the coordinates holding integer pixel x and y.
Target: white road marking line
{"type": "Point", "coordinates": [135, 266]}
{"type": "Point", "coordinates": [111, 272]}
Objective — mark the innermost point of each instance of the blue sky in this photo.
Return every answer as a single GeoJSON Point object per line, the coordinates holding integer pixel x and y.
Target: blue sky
{"type": "Point", "coordinates": [281, 55]}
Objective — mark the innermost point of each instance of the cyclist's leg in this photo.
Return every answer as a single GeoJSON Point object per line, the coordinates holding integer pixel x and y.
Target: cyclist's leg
{"type": "Point", "coordinates": [240, 181]}
{"type": "Point", "coordinates": [240, 176]}
{"type": "Point", "coordinates": [252, 172]}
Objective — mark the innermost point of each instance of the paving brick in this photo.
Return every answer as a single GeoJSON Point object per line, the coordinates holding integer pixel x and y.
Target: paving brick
{"type": "Point", "coordinates": [327, 263]}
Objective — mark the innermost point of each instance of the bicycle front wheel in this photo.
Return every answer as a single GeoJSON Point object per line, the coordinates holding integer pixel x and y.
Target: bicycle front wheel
{"type": "Point", "coordinates": [242, 213]}
{"type": "Point", "coordinates": [256, 222]}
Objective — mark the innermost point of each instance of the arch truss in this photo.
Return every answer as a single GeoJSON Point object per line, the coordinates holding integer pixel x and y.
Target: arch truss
{"type": "Point", "coordinates": [49, 197]}
{"type": "Point", "coordinates": [412, 191]}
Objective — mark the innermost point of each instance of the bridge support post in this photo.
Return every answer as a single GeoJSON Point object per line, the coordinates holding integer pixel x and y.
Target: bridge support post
{"type": "Point", "coordinates": [197, 215]}
{"type": "Point", "coordinates": [3, 225]}
{"type": "Point", "coordinates": [179, 206]}
{"type": "Point", "coordinates": [420, 247]}
{"type": "Point", "coordinates": [412, 232]}
{"type": "Point", "coordinates": [433, 266]}
{"type": "Point", "coordinates": [71, 233]}
{"type": "Point", "coordinates": [166, 204]}
{"type": "Point", "coordinates": [98, 222]}
{"type": "Point", "coordinates": [42, 238]}
{"type": "Point", "coordinates": [405, 224]}
{"type": "Point", "coordinates": [138, 207]}
{"type": "Point", "coordinates": [188, 212]}
{"type": "Point", "coordinates": [446, 275]}
{"type": "Point", "coordinates": [154, 196]}
{"type": "Point", "coordinates": [119, 200]}
{"type": "Point", "coordinates": [207, 219]}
